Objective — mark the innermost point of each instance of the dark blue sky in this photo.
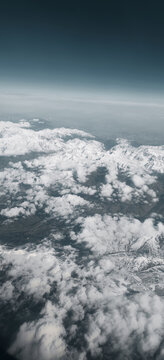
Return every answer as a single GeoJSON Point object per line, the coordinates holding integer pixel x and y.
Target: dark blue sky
{"type": "Point", "coordinates": [91, 44]}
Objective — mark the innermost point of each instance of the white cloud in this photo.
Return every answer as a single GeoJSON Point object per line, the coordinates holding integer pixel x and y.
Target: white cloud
{"type": "Point", "coordinates": [24, 209]}
{"type": "Point", "coordinates": [113, 234]}
{"type": "Point", "coordinates": [68, 163]}
{"type": "Point", "coordinates": [42, 339]}
{"type": "Point", "coordinates": [101, 285]}
{"type": "Point", "coordinates": [65, 205]}
{"type": "Point", "coordinates": [107, 190]}
{"type": "Point", "coordinates": [138, 181]}
{"type": "Point", "coordinates": [16, 139]}
{"type": "Point", "coordinates": [6, 291]}
{"type": "Point", "coordinates": [136, 325]}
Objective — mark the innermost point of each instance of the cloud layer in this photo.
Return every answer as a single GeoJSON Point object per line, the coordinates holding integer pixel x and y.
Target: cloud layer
{"type": "Point", "coordinates": [95, 273]}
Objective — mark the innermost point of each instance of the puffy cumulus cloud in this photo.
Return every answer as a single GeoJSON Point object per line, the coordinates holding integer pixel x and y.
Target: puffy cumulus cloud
{"type": "Point", "coordinates": [109, 234]}
{"type": "Point", "coordinates": [117, 189]}
{"type": "Point", "coordinates": [41, 339]}
{"type": "Point", "coordinates": [132, 250]}
{"type": "Point", "coordinates": [92, 296]}
{"type": "Point", "coordinates": [30, 192]}
{"type": "Point", "coordinates": [138, 181]}
{"type": "Point", "coordinates": [135, 326]}
{"type": "Point", "coordinates": [62, 171]}
{"type": "Point", "coordinates": [36, 272]}
{"type": "Point", "coordinates": [107, 190]}
{"type": "Point", "coordinates": [65, 205]}
{"type": "Point", "coordinates": [139, 164]}
{"type": "Point", "coordinates": [88, 295]}
{"type": "Point", "coordinates": [33, 267]}
{"type": "Point", "coordinates": [6, 291]}
{"type": "Point", "coordinates": [39, 267]}
{"type": "Point", "coordinates": [96, 280]}
{"type": "Point", "coordinates": [70, 161]}
{"type": "Point", "coordinates": [25, 209]}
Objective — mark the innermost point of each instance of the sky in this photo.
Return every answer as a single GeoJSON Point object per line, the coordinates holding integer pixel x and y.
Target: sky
{"type": "Point", "coordinates": [103, 45]}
